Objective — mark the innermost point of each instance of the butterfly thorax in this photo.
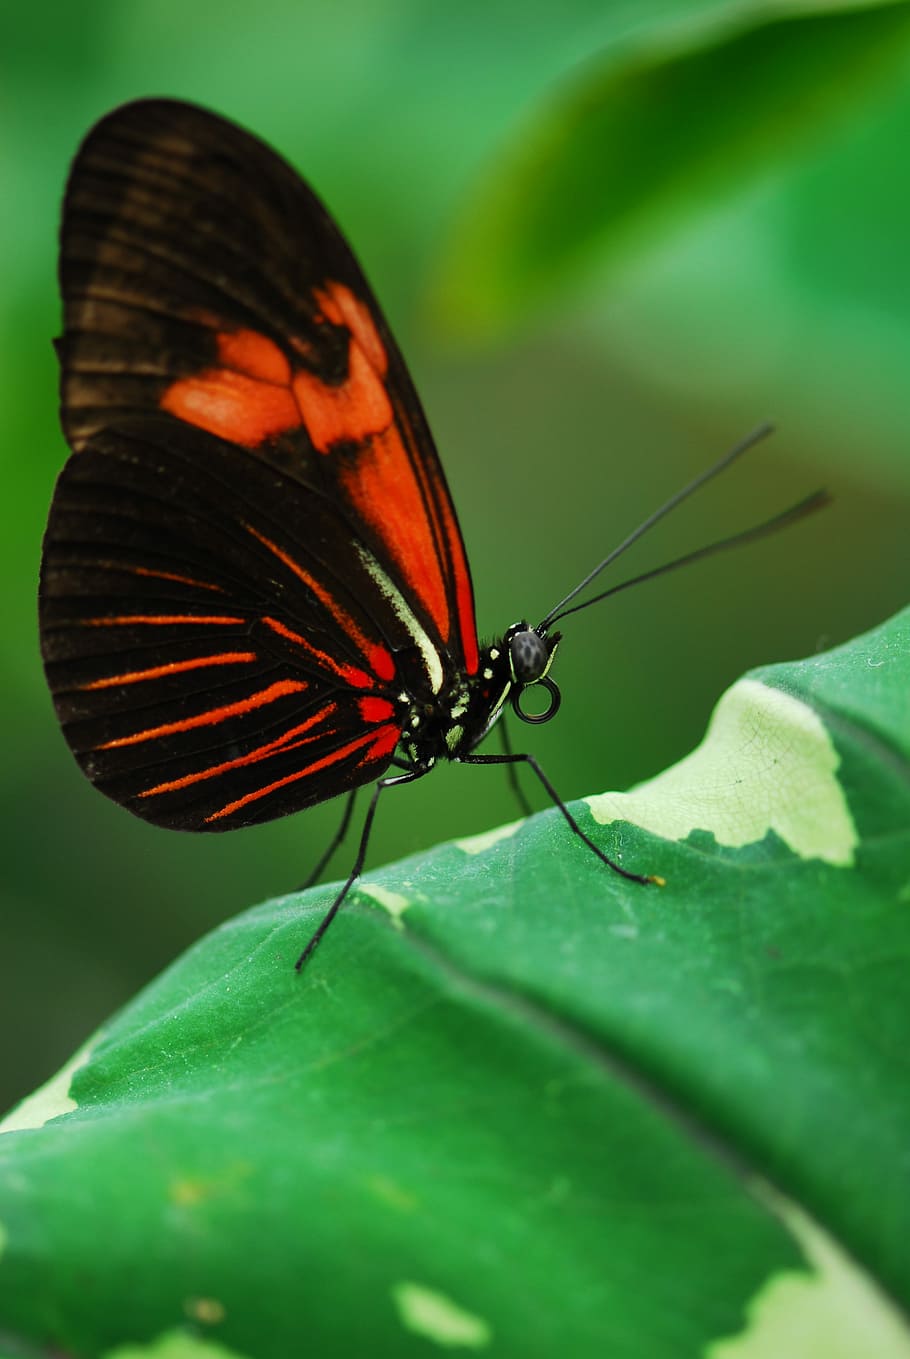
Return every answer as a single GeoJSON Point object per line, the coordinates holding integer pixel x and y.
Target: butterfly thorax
{"type": "Point", "coordinates": [452, 723]}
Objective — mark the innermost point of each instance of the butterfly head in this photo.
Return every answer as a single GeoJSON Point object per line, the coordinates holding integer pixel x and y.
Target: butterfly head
{"type": "Point", "coordinates": [531, 653]}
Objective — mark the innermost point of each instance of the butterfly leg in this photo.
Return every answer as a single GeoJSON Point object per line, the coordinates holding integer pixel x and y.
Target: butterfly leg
{"type": "Point", "coordinates": [334, 843]}
{"type": "Point", "coordinates": [511, 771]}
{"type": "Point", "coordinates": [355, 872]}
{"type": "Point", "coordinates": [558, 802]}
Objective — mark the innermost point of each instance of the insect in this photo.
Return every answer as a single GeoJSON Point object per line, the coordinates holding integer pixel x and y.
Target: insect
{"type": "Point", "coordinates": [254, 592]}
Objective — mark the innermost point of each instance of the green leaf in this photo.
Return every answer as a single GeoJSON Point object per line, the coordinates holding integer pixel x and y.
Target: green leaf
{"type": "Point", "coordinates": [517, 1105]}
{"type": "Point", "coordinates": [652, 133]}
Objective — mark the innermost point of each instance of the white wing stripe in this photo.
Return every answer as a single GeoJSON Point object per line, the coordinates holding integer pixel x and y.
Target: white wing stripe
{"type": "Point", "coordinates": [431, 657]}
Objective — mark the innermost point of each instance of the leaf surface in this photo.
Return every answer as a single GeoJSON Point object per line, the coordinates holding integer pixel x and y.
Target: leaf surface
{"type": "Point", "coordinates": [516, 1105]}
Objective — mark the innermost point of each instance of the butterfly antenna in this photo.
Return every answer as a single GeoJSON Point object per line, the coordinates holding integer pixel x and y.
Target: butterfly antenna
{"type": "Point", "coordinates": [760, 432]}
{"type": "Point", "coordinates": [817, 501]}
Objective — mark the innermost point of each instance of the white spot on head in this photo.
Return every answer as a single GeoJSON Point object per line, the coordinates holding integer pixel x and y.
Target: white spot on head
{"type": "Point", "coordinates": [453, 736]}
{"type": "Point", "coordinates": [766, 763]}
{"type": "Point", "coordinates": [436, 1317]}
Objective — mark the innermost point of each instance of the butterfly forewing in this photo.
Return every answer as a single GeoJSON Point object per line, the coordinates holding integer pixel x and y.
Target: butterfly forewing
{"type": "Point", "coordinates": [252, 554]}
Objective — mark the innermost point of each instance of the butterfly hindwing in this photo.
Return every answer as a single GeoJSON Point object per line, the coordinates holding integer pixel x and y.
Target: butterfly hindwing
{"type": "Point", "coordinates": [208, 670]}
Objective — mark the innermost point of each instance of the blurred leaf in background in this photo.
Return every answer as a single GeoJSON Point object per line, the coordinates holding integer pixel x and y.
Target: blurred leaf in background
{"type": "Point", "coordinates": [648, 134]}
{"type": "Point", "coordinates": [778, 288]}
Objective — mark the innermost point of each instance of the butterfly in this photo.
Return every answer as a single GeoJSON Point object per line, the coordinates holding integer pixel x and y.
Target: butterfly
{"type": "Point", "coordinates": [254, 591]}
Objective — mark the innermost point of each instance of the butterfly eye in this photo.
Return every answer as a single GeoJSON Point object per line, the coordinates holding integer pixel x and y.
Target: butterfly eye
{"type": "Point", "coordinates": [529, 654]}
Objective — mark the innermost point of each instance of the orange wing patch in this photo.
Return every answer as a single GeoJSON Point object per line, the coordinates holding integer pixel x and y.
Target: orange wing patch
{"type": "Point", "coordinates": [380, 481]}
{"type": "Point", "coordinates": [255, 355]}
{"type": "Point", "coordinates": [383, 476]}
{"type": "Point", "coordinates": [247, 401]}
{"type": "Point", "coordinates": [254, 395]}
{"type": "Point", "coordinates": [342, 308]}
{"type": "Point", "coordinates": [381, 486]}
{"type": "Point", "coordinates": [356, 410]}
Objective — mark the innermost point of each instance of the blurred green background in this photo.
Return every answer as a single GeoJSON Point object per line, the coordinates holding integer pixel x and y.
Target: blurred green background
{"type": "Point", "coordinates": [778, 285]}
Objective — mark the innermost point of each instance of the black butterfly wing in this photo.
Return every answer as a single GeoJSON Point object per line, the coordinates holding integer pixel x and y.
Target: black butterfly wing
{"type": "Point", "coordinates": [252, 558]}
{"type": "Point", "coordinates": [203, 279]}
{"type": "Point", "coordinates": [208, 669]}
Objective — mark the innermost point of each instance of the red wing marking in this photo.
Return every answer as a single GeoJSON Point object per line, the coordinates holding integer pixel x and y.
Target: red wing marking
{"type": "Point", "coordinates": [283, 743]}
{"type": "Point", "coordinates": [350, 412]}
{"type": "Point", "coordinates": [253, 394]}
{"type": "Point", "coordinates": [248, 399]}
{"type": "Point", "coordinates": [160, 619]}
{"type": "Point", "coordinates": [359, 679]}
{"type": "Point", "coordinates": [374, 709]}
{"type": "Point", "coordinates": [442, 528]}
{"type": "Point", "coordinates": [464, 595]}
{"type": "Point", "coordinates": [244, 410]}
{"type": "Point", "coordinates": [343, 308]}
{"type": "Point", "coordinates": [385, 739]}
{"type": "Point", "coordinates": [371, 479]}
{"type": "Point", "coordinates": [381, 486]}
{"type": "Point", "coordinates": [212, 716]}
{"type": "Point", "coordinates": [379, 657]}
{"type": "Point", "coordinates": [173, 668]}
{"type": "Point", "coordinates": [381, 742]}
{"type": "Point", "coordinates": [358, 408]}
{"type": "Point", "coordinates": [181, 580]}
{"type": "Point", "coordinates": [248, 352]}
